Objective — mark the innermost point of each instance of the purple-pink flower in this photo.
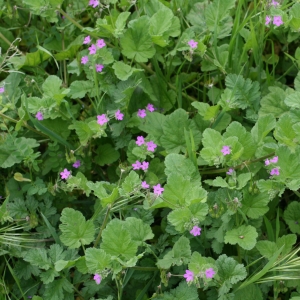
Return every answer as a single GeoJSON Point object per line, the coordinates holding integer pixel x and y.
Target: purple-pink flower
{"type": "Point", "coordinates": [157, 189]}
{"type": "Point", "coordinates": [277, 20]}
{"type": "Point", "coordinates": [267, 162]}
{"type": "Point", "coordinates": [140, 141]}
{"type": "Point", "coordinates": [275, 3]}
{"type": "Point", "coordinates": [76, 164]}
{"type": "Point", "coordinates": [275, 172]}
{"type": "Point", "coordinates": [193, 44]}
{"type": "Point", "coordinates": [93, 49]}
{"type": "Point", "coordinates": [230, 171]}
{"type": "Point", "coordinates": [268, 20]}
{"type": "Point", "coordinates": [226, 150]}
{"type": "Point", "coordinates": [209, 273]}
{"type": "Point", "coordinates": [2, 90]}
{"type": "Point", "coordinates": [195, 231]}
{"type": "Point", "coordinates": [102, 119]}
{"type": "Point", "coordinates": [145, 185]}
{"type": "Point", "coordinates": [151, 146]}
{"type": "Point", "coordinates": [84, 60]}
{"type": "Point", "coordinates": [150, 107]}
{"type": "Point", "coordinates": [101, 43]}
{"type": "Point", "coordinates": [189, 275]}
{"type": "Point", "coordinates": [39, 116]}
{"type": "Point", "coordinates": [118, 115]}
{"type": "Point", "coordinates": [87, 40]}
{"type": "Point", "coordinates": [141, 113]}
{"type": "Point", "coordinates": [97, 278]}
{"type": "Point", "coordinates": [274, 160]}
{"type": "Point", "coordinates": [65, 174]}
{"type": "Point", "coordinates": [94, 3]}
{"type": "Point", "coordinates": [145, 165]}
{"type": "Point", "coordinates": [137, 165]}
{"type": "Point", "coordinates": [99, 68]}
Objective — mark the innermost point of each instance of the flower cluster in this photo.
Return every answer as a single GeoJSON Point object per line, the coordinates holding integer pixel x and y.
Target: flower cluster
{"type": "Point", "coordinates": [93, 49]}
{"type": "Point", "coordinates": [150, 145]}
{"type": "Point", "coordinates": [140, 165]}
{"type": "Point", "coordinates": [142, 112]}
{"type": "Point", "coordinates": [277, 20]}
{"type": "Point", "coordinates": [226, 150]}
{"type": "Point", "coordinates": [189, 275]}
{"type": "Point", "coordinates": [274, 160]}
{"type": "Point", "coordinates": [157, 189]}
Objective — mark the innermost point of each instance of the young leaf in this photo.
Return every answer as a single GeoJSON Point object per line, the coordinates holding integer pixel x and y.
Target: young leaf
{"type": "Point", "coordinates": [76, 231]}
{"type": "Point", "coordinates": [97, 260]}
{"type": "Point", "coordinates": [38, 257]}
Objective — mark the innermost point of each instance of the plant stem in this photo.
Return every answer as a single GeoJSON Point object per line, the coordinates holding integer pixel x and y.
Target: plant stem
{"type": "Point", "coordinates": [102, 227]}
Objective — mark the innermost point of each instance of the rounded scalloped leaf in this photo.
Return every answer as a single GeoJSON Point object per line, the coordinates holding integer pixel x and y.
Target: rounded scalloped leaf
{"type": "Point", "coordinates": [292, 216]}
{"type": "Point", "coordinates": [244, 236]}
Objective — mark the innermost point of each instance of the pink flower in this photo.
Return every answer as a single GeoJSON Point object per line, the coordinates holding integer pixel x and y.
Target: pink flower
{"type": "Point", "coordinates": [151, 146]}
{"type": "Point", "coordinates": [118, 115]}
{"type": "Point", "coordinates": [268, 20]}
{"type": "Point", "coordinates": [274, 160]}
{"type": "Point", "coordinates": [157, 189]}
{"type": "Point", "coordinates": [275, 172]}
{"type": "Point", "coordinates": [87, 40]}
{"type": "Point", "coordinates": [65, 174]}
{"type": "Point", "coordinates": [84, 60]}
{"type": "Point", "coordinates": [39, 116]}
{"type": "Point", "coordinates": [101, 43]}
{"type": "Point", "coordinates": [193, 44]}
{"type": "Point", "coordinates": [195, 231]}
{"type": "Point", "coordinates": [102, 119]}
{"type": "Point", "coordinates": [209, 273]}
{"type": "Point", "coordinates": [93, 49]}
{"type": "Point", "coordinates": [230, 171]}
{"type": "Point", "coordinates": [137, 165]}
{"type": "Point", "coordinates": [94, 3]}
{"type": "Point", "coordinates": [189, 275]}
{"type": "Point", "coordinates": [145, 165]}
{"type": "Point", "coordinates": [140, 141]}
{"type": "Point", "coordinates": [97, 278]}
{"type": "Point", "coordinates": [150, 107]}
{"type": "Point", "coordinates": [145, 185]}
{"type": "Point", "coordinates": [99, 68]}
{"type": "Point", "coordinates": [2, 90]}
{"type": "Point", "coordinates": [76, 164]}
{"type": "Point", "coordinates": [275, 3]}
{"type": "Point", "coordinates": [226, 150]}
{"type": "Point", "coordinates": [141, 113]}
{"type": "Point", "coordinates": [277, 20]}
{"type": "Point", "coordinates": [267, 162]}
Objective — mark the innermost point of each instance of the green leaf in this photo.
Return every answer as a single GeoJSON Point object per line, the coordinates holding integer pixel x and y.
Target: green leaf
{"type": "Point", "coordinates": [76, 231]}
{"type": "Point", "coordinates": [199, 263]}
{"type": "Point", "coordinates": [173, 139]}
{"type": "Point", "coordinates": [266, 248]}
{"type": "Point", "coordinates": [30, 59]}
{"type": "Point", "coordinates": [131, 182]}
{"type": "Point", "coordinates": [284, 132]}
{"type": "Point", "coordinates": [48, 276]}
{"type": "Point", "coordinates": [55, 289]}
{"type": "Point", "coordinates": [120, 23]}
{"type": "Point", "coordinates": [262, 127]}
{"type": "Point", "coordinates": [250, 292]}
{"type": "Point", "coordinates": [244, 236]}
{"type": "Point", "coordinates": [288, 162]}
{"type": "Point", "coordinates": [180, 254]}
{"type": "Point", "coordinates": [79, 88]}
{"type": "Point", "coordinates": [117, 241]}
{"type": "Point", "coordinates": [52, 89]}
{"type": "Point", "coordinates": [139, 230]}
{"type": "Point", "coordinates": [230, 272]}
{"type": "Point", "coordinates": [136, 42]}
{"type": "Point", "coordinates": [292, 216]}
{"type": "Point", "coordinates": [217, 17]}
{"type": "Point", "coordinates": [182, 292]}
{"type": "Point", "coordinates": [273, 103]}
{"type": "Point", "coordinates": [106, 155]}
{"type": "Point", "coordinates": [38, 257]}
{"type": "Point", "coordinates": [79, 181]}
{"type": "Point", "coordinates": [122, 70]}
{"type": "Point", "coordinates": [97, 260]}
{"type": "Point", "coordinates": [181, 192]}
{"type": "Point", "coordinates": [179, 164]}
{"type": "Point", "coordinates": [255, 206]}
{"type": "Point", "coordinates": [83, 131]}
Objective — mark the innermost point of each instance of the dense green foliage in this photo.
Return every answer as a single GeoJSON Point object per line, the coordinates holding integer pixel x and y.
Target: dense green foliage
{"type": "Point", "coordinates": [149, 149]}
